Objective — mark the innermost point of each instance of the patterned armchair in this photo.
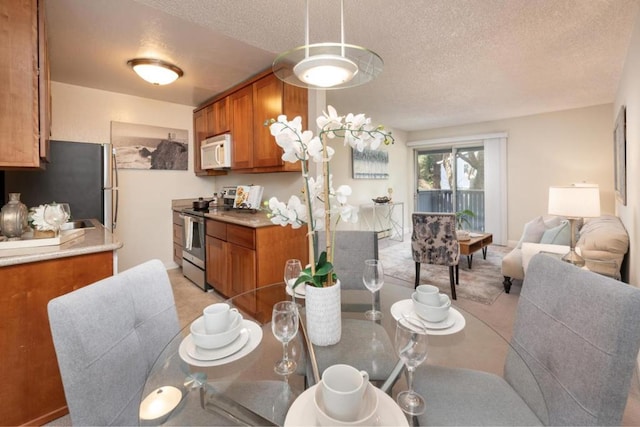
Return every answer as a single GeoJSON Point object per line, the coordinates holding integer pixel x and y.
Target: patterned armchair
{"type": "Point", "coordinates": [434, 241]}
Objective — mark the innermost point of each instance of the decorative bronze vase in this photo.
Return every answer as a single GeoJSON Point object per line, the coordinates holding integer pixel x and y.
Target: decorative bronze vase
{"type": "Point", "coordinates": [13, 217]}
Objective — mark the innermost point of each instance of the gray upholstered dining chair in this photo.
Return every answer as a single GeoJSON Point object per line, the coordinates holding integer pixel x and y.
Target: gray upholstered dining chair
{"type": "Point", "coordinates": [434, 241]}
{"type": "Point", "coordinates": [570, 362]}
{"type": "Point", "coordinates": [107, 336]}
{"type": "Point", "coordinates": [364, 344]}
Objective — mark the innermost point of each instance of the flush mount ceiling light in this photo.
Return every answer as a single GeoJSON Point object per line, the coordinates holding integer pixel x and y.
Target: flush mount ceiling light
{"type": "Point", "coordinates": [327, 65]}
{"type": "Point", "coordinates": [155, 71]}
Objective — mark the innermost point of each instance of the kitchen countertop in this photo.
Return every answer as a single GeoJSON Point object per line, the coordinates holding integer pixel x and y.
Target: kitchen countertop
{"type": "Point", "coordinates": [97, 239]}
{"type": "Point", "coordinates": [234, 216]}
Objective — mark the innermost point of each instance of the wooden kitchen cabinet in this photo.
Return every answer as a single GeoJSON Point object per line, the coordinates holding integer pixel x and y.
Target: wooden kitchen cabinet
{"type": "Point", "coordinates": [241, 105]}
{"type": "Point", "coordinates": [218, 117]}
{"type": "Point", "coordinates": [271, 98]}
{"type": "Point", "coordinates": [32, 391]}
{"type": "Point", "coordinates": [203, 128]}
{"type": "Point", "coordinates": [178, 230]}
{"type": "Point", "coordinates": [247, 106]}
{"type": "Point", "coordinates": [240, 259]}
{"type": "Point", "coordinates": [25, 101]}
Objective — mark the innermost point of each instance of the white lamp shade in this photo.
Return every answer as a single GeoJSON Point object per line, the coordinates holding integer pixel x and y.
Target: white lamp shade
{"type": "Point", "coordinates": [575, 201]}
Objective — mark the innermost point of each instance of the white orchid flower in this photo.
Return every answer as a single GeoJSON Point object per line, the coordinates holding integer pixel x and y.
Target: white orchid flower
{"type": "Point", "coordinates": [342, 193]}
{"type": "Point", "coordinates": [293, 213]}
{"type": "Point", "coordinates": [348, 213]}
{"type": "Point", "coordinates": [329, 122]}
{"type": "Point", "coordinates": [315, 151]}
{"type": "Point", "coordinates": [322, 207]}
{"type": "Point", "coordinates": [277, 209]}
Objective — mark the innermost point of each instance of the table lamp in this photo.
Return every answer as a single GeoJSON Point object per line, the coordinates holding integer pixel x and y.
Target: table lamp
{"type": "Point", "coordinates": [574, 202]}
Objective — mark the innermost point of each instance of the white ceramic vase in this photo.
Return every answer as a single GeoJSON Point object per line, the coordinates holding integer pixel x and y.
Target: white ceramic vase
{"type": "Point", "coordinates": [323, 312]}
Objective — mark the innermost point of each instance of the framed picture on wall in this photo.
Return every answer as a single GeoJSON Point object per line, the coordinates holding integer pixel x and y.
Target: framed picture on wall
{"type": "Point", "coordinates": [149, 147]}
{"type": "Point", "coordinates": [370, 164]}
{"type": "Point", "coordinates": [620, 156]}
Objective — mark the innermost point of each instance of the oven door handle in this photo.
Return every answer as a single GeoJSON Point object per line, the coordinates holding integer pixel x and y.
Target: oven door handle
{"type": "Point", "coordinates": [188, 232]}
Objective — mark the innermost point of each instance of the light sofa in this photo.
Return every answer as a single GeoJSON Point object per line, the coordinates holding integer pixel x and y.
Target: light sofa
{"type": "Point", "coordinates": [602, 242]}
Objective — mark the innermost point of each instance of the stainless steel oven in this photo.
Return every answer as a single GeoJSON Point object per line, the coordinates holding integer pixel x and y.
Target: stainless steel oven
{"type": "Point", "coordinates": [193, 248]}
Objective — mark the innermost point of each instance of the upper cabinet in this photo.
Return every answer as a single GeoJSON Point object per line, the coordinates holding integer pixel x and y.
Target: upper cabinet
{"type": "Point", "coordinates": [243, 111]}
{"type": "Point", "coordinates": [25, 101]}
{"type": "Point", "coordinates": [242, 128]}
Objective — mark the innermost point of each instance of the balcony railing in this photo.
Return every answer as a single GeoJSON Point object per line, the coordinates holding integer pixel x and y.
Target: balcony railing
{"type": "Point", "coordinates": [442, 201]}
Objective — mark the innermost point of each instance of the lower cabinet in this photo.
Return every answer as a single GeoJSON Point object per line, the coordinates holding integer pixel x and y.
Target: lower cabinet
{"type": "Point", "coordinates": [240, 259]}
{"type": "Point", "coordinates": [32, 390]}
{"type": "Point", "coordinates": [178, 230]}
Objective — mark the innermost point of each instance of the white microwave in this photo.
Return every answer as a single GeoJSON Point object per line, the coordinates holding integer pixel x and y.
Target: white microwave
{"type": "Point", "coordinates": [215, 152]}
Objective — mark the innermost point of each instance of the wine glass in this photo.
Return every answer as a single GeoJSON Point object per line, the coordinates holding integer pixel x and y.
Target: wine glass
{"type": "Point", "coordinates": [292, 270]}
{"type": "Point", "coordinates": [411, 346]}
{"type": "Point", "coordinates": [56, 214]}
{"type": "Point", "coordinates": [373, 278]}
{"type": "Point", "coordinates": [284, 325]}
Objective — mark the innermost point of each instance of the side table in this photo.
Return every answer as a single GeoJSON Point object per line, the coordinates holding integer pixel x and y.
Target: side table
{"type": "Point", "coordinates": [387, 219]}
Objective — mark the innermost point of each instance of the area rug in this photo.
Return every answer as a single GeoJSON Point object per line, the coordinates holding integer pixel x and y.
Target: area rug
{"type": "Point", "coordinates": [482, 283]}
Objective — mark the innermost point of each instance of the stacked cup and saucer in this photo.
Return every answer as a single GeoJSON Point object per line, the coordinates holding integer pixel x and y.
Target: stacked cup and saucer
{"type": "Point", "coordinates": [433, 308]}
{"type": "Point", "coordinates": [219, 336]}
{"type": "Point", "coordinates": [344, 397]}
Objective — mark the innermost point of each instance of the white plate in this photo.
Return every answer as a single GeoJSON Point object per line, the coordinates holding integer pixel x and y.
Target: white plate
{"type": "Point", "coordinates": [453, 323]}
{"type": "Point", "coordinates": [301, 291]}
{"type": "Point", "coordinates": [217, 353]}
{"type": "Point", "coordinates": [303, 413]}
{"type": "Point", "coordinates": [255, 336]}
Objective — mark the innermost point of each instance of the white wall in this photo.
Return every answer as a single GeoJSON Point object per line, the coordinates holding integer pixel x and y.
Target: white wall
{"type": "Point", "coordinates": [144, 224]}
{"type": "Point", "coordinates": [629, 95]}
{"type": "Point", "coordinates": [547, 149]}
{"type": "Point", "coordinates": [84, 115]}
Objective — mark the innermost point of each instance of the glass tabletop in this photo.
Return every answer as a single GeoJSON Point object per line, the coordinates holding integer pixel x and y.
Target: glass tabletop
{"type": "Point", "coordinates": [242, 388]}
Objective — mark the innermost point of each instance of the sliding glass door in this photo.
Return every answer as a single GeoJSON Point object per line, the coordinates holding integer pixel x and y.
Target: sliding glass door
{"type": "Point", "coordinates": [452, 180]}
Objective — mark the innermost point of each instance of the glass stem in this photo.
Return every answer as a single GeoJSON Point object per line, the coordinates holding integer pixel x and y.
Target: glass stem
{"type": "Point", "coordinates": [285, 353]}
{"type": "Point", "coordinates": [410, 379]}
{"type": "Point", "coordinates": [373, 301]}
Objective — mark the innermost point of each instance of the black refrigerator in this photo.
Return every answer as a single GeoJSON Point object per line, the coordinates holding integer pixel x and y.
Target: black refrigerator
{"type": "Point", "coordinates": [81, 174]}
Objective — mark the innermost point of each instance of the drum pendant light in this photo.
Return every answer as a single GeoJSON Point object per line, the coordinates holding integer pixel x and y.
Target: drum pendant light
{"type": "Point", "coordinates": [327, 65]}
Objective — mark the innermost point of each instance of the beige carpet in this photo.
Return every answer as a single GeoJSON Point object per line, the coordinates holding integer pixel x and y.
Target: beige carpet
{"type": "Point", "coordinates": [482, 283]}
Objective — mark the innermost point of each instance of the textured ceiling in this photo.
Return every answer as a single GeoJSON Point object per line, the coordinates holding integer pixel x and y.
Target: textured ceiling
{"type": "Point", "coordinates": [447, 62]}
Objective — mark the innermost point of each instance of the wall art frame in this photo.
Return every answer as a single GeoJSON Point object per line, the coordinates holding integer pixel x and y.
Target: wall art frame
{"type": "Point", "coordinates": [620, 155]}
{"type": "Point", "coordinates": [150, 147]}
{"type": "Point", "coordinates": [369, 164]}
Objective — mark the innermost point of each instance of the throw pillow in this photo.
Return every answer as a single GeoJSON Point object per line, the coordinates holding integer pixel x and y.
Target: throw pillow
{"type": "Point", "coordinates": [560, 235]}
{"type": "Point", "coordinates": [533, 231]}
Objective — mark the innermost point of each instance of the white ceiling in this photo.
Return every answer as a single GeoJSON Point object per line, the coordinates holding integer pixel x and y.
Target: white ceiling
{"type": "Point", "coordinates": [447, 62]}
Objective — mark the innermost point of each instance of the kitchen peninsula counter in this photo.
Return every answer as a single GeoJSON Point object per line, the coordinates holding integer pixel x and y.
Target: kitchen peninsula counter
{"type": "Point", "coordinates": [96, 239]}
{"type": "Point", "coordinates": [29, 279]}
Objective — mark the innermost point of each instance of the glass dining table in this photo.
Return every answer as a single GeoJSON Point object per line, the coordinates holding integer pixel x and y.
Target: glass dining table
{"type": "Point", "coordinates": [238, 386]}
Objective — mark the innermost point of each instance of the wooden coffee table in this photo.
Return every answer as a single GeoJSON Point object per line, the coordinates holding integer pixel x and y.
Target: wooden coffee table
{"type": "Point", "coordinates": [474, 244]}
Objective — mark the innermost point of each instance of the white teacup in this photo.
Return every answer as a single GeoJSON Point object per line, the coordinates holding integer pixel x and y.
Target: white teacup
{"type": "Point", "coordinates": [203, 339]}
{"type": "Point", "coordinates": [428, 294]}
{"type": "Point", "coordinates": [218, 317]}
{"type": "Point", "coordinates": [343, 390]}
{"type": "Point", "coordinates": [432, 313]}
{"type": "Point", "coordinates": [366, 416]}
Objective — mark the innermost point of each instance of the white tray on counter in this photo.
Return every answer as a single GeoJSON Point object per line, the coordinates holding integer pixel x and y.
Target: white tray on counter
{"type": "Point", "coordinates": [27, 240]}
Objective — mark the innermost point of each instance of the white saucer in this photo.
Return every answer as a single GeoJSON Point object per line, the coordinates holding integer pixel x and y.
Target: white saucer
{"type": "Point", "coordinates": [254, 333]}
{"type": "Point", "coordinates": [453, 323]}
{"type": "Point", "coordinates": [303, 413]}
{"type": "Point", "coordinates": [217, 353]}
{"type": "Point", "coordinates": [301, 291]}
